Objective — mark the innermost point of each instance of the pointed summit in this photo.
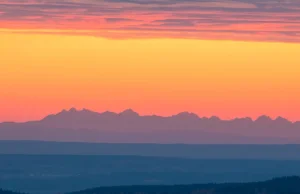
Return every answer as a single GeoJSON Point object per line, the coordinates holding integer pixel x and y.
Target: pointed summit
{"type": "Point", "coordinates": [263, 119]}
{"type": "Point", "coordinates": [282, 120]}
{"type": "Point", "coordinates": [246, 119]}
{"type": "Point", "coordinates": [214, 119]}
{"type": "Point", "coordinates": [187, 115]}
{"type": "Point", "coordinates": [108, 113]}
{"type": "Point", "coordinates": [72, 113]}
{"type": "Point", "coordinates": [86, 110]}
{"type": "Point", "coordinates": [66, 111]}
{"type": "Point", "coordinates": [129, 113]}
{"type": "Point", "coordinates": [73, 110]}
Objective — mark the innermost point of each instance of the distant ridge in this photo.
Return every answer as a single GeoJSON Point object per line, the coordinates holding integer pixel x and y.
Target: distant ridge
{"type": "Point", "coordinates": [130, 127]}
{"type": "Point", "coordinates": [196, 151]}
{"type": "Point", "coordinates": [131, 112]}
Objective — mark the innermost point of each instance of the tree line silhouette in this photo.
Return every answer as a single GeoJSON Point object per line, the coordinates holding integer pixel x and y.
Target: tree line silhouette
{"type": "Point", "coordinates": [284, 185]}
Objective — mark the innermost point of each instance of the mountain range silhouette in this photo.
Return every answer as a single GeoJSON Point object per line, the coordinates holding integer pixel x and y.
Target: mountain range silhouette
{"type": "Point", "coordinates": [130, 127]}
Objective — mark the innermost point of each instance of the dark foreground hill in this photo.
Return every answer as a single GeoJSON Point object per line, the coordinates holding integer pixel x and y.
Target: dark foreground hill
{"type": "Point", "coordinates": [8, 192]}
{"type": "Point", "coordinates": [285, 185]}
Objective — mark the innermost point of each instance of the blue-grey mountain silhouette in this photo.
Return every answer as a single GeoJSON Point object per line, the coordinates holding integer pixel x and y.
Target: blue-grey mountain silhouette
{"type": "Point", "coordinates": [130, 127]}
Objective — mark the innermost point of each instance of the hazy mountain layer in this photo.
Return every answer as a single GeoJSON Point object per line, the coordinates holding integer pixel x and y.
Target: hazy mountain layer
{"type": "Point", "coordinates": [130, 127]}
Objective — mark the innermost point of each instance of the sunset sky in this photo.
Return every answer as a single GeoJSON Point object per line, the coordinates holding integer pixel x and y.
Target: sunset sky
{"type": "Point", "coordinates": [225, 58]}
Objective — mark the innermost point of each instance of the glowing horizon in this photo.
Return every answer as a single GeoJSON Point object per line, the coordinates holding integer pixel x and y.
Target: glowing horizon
{"type": "Point", "coordinates": [227, 59]}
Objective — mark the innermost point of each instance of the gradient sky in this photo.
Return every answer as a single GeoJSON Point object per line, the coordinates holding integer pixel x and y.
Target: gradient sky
{"type": "Point", "coordinates": [225, 58]}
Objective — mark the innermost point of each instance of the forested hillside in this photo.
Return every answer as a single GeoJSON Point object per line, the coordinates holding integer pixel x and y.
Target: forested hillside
{"type": "Point", "coordinates": [8, 192]}
{"type": "Point", "coordinates": [285, 185]}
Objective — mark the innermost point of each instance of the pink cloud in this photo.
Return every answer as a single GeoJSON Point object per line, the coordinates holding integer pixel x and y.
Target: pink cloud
{"type": "Point", "coordinates": [268, 20]}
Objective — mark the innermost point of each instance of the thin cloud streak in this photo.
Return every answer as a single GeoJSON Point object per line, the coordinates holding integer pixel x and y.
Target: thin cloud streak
{"type": "Point", "coordinates": [252, 20]}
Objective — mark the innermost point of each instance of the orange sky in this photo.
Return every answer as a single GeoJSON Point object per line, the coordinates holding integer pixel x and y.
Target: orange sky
{"type": "Point", "coordinates": [224, 58]}
{"type": "Point", "coordinates": [42, 74]}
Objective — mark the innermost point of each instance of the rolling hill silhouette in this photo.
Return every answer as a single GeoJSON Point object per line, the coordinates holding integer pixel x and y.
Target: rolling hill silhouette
{"type": "Point", "coordinates": [130, 127]}
{"type": "Point", "coordinates": [8, 192]}
{"type": "Point", "coordinates": [284, 185]}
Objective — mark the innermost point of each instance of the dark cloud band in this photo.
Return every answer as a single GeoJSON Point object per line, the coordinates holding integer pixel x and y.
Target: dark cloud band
{"type": "Point", "coordinates": [269, 20]}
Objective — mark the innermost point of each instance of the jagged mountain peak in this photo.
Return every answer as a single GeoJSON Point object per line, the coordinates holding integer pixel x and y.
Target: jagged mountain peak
{"type": "Point", "coordinates": [264, 118]}
{"type": "Point", "coordinates": [186, 115]}
{"type": "Point", "coordinates": [282, 120]}
{"type": "Point", "coordinates": [129, 112]}
{"type": "Point", "coordinates": [185, 126]}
